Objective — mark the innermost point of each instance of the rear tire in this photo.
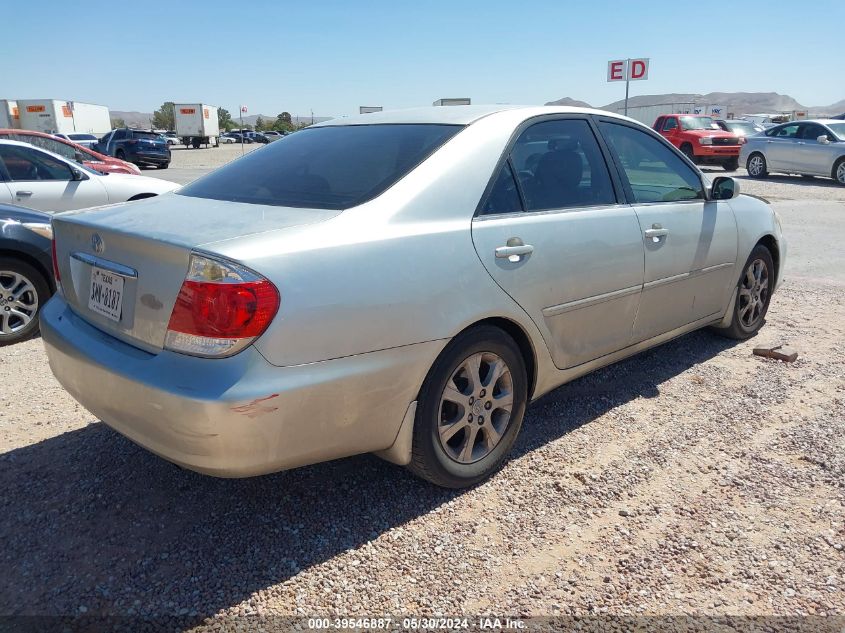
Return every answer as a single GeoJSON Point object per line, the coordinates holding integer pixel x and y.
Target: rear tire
{"type": "Point", "coordinates": [470, 409]}
{"type": "Point", "coordinates": [756, 166]}
{"type": "Point", "coordinates": [19, 316]}
{"type": "Point", "coordinates": [754, 292]}
{"type": "Point", "coordinates": [120, 154]}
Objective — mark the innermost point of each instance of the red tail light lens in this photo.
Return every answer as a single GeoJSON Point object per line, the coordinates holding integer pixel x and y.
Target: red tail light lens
{"type": "Point", "coordinates": [221, 308]}
{"type": "Point", "coordinates": [56, 272]}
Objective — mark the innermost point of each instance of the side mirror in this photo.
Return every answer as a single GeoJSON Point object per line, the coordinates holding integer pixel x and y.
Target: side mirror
{"type": "Point", "coordinates": [724, 188]}
{"type": "Point", "coordinates": [78, 157]}
{"type": "Point", "coordinates": [823, 139]}
{"type": "Point", "coordinates": [77, 174]}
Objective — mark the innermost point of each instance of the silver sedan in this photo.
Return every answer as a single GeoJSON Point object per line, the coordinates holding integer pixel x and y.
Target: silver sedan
{"type": "Point", "coordinates": [808, 148]}
{"type": "Point", "coordinates": [401, 283]}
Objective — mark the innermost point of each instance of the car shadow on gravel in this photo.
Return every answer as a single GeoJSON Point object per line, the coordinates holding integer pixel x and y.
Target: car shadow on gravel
{"type": "Point", "coordinates": [93, 524]}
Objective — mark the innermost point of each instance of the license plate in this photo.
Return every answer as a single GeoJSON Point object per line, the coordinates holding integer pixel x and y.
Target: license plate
{"type": "Point", "coordinates": [106, 296]}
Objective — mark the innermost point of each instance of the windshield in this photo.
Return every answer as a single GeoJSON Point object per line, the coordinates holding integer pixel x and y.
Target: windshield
{"type": "Point", "coordinates": [82, 137]}
{"type": "Point", "coordinates": [741, 127]}
{"type": "Point", "coordinates": [334, 167]}
{"type": "Point", "coordinates": [696, 123]}
{"type": "Point", "coordinates": [838, 129]}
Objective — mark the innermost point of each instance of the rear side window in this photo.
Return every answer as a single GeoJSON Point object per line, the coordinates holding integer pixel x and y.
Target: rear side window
{"type": "Point", "coordinates": [655, 172]}
{"type": "Point", "coordinates": [334, 167]}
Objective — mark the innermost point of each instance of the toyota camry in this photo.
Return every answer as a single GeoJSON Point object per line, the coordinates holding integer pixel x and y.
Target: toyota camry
{"type": "Point", "coordinates": [403, 283]}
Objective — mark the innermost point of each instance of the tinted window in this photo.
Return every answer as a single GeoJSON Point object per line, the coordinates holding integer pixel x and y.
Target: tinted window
{"type": "Point", "coordinates": [670, 124]}
{"type": "Point", "coordinates": [49, 144]}
{"type": "Point", "coordinates": [27, 164]}
{"type": "Point", "coordinates": [785, 131]}
{"type": "Point", "coordinates": [504, 196]}
{"type": "Point", "coordinates": [655, 172]}
{"type": "Point", "coordinates": [559, 165]}
{"type": "Point", "coordinates": [150, 135]}
{"type": "Point", "coordinates": [811, 131]}
{"type": "Point", "coordinates": [324, 167]}
{"type": "Point", "coordinates": [120, 134]}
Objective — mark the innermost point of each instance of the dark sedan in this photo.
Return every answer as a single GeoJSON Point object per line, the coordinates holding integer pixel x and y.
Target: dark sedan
{"type": "Point", "coordinates": [26, 278]}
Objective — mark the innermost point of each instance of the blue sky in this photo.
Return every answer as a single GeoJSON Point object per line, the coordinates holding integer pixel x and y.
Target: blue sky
{"type": "Point", "coordinates": [334, 56]}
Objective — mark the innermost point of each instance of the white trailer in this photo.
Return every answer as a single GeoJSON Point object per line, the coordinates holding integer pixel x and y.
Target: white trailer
{"type": "Point", "coordinates": [647, 114]}
{"type": "Point", "coordinates": [9, 117]}
{"type": "Point", "coordinates": [63, 117]}
{"type": "Point", "coordinates": [196, 124]}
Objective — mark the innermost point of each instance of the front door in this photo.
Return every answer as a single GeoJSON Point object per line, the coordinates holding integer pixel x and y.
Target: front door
{"type": "Point", "coordinates": [781, 147]}
{"type": "Point", "coordinates": [552, 233]}
{"type": "Point", "coordinates": [690, 243]}
{"type": "Point", "coordinates": [41, 181]}
{"type": "Point", "coordinates": [812, 157]}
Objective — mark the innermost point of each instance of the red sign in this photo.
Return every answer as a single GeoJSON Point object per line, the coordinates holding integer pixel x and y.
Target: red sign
{"type": "Point", "coordinates": [35, 108]}
{"type": "Point", "coordinates": [66, 111]}
{"type": "Point", "coordinates": [205, 112]}
{"type": "Point", "coordinates": [187, 111]}
{"type": "Point", "coordinates": [616, 70]}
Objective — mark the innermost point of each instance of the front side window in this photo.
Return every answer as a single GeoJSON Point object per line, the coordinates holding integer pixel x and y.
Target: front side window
{"type": "Point", "coordinates": [24, 164]}
{"type": "Point", "coordinates": [784, 131]}
{"type": "Point", "coordinates": [670, 124]}
{"type": "Point", "coordinates": [559, 165]}
{"type": "Point", "coordinates": [331, 167]}
{"type": "Point", "coordinates": [812, 131]}
{"type": "Point", "coordinates": [655, 172]}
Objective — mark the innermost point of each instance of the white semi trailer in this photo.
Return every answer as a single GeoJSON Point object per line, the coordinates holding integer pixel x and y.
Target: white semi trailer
{"type": "Point", "coordinates": [197, 124]}
{"type": "Point", "coordinates": [63, 117]}
{"type": "Point", "coordinates": [9, 116]}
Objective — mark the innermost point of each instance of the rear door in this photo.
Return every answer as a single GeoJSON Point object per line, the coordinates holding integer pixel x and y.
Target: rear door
{"type": "Point", "coordinates": [555, 236]}
{"type": "Point", "coordinates": [781, 147]}
{"type": "Point", "coordinates": [689, 242]}
{"type": "Point", "coordinates": [41, 181]}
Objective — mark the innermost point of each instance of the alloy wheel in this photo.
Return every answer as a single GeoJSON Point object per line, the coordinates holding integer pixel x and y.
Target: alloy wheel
{"type": "Point", "coordinates": [755, 165]}
{"type": "Point", "coordinates": [475, 408]}
{"type": "Point", "coordinates": [840, 173]}
{"type": "Point", "coordinates": [18, 302]}
{"type": "Point", "coordinates": [753, 293]}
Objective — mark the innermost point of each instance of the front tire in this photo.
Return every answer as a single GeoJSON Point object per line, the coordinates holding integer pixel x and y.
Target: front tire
{"type": "Point", "coordinates": [688, 151]}
{"type": "Point", "coordinates": [756, 166]}
{"type": "Point", "coordinates": [23, 290]}
{"type": "Point", "coordinates": [164, 165]}
{"type": "Point", "coordinates": [754, 292]}
{"type": "Point", "coordinates": [470, 409]}
{"type": "Point", "coordinates": [731, 165]}
{"type": "Point", "coordinates": [839, 171]}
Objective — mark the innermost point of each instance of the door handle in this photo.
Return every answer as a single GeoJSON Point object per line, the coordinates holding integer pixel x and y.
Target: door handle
{"type": "Point", "coordinates": [656, 232]}
{"type": "Point", "coordinates": [23, 194]}
{"type": "Point", "coordinates": [514, 250]}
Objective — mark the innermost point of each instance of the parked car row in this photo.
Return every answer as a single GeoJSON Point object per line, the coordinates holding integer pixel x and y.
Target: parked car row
{"type": "Point", "coordinates": [71, 151]}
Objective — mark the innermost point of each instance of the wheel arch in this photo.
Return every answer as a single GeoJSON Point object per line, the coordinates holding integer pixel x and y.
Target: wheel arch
{"type": "Point", "coordinates": [31, 261]}
{"type": "Point", "coordinates": [771, 243]}
{"type": "Point", "coordinates": [522, 340]}
{"type": "Point", "coordinates": [141, 196]}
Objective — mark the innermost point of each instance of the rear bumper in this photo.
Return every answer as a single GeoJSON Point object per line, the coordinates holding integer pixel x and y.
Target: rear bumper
{"type": "Point", "coordinates": [150, 159]}
{"type": "Point", "coordinates": [238, 416]}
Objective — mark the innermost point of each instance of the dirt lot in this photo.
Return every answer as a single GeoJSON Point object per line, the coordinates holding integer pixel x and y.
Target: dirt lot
{"type": "Point", "coordinates": [693, 479]}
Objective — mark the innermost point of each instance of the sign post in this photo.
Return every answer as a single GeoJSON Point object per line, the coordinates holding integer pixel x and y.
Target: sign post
{"type": "Point", "coordinates": [627, 70]}
{"type": "Point", "coordinates": [243, 109]}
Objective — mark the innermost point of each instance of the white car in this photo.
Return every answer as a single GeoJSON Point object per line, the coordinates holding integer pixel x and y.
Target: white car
{"type": "Point", "coordinates": [172, 139]}
{"type": "Point", "coordinates": [38, 179]}
{"type": "Point", "coordinates": [227, 139]}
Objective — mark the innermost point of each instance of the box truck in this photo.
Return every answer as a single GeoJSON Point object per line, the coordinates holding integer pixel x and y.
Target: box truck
{"type": "Point", "coordinates": [196, 124]}
{"type": "Point", "coordinates": [9, 117]}
{"type": "Point", "coordinates": [63, 117]}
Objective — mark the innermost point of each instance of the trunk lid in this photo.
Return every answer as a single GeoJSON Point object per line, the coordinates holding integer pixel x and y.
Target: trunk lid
{"type": "Point", "coordinates": [146, 246]}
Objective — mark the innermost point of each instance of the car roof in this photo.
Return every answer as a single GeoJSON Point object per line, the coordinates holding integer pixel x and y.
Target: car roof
{"type": "Point", "coordinates": [22, 214]}
{"type": "Point", "coordinates": [452, 115]}
{"type": "Point", "coordinates": [26, 132]}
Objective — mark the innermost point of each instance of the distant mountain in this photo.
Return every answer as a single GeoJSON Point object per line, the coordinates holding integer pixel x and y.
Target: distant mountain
{"type": "Point", "coordinates": [737, 102]}
{"type": "Point", "coordinates": [573, 103]}
{"type": "Point", "coordinates": [144, 119]}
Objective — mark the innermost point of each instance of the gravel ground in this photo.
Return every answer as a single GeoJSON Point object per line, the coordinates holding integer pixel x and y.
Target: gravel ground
{"type": "Point", "coordinates": [695, 478]}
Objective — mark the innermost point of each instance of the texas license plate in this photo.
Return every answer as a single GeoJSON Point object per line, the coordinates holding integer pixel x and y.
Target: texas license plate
{"type": "Point", "coordinates": [106, 295]}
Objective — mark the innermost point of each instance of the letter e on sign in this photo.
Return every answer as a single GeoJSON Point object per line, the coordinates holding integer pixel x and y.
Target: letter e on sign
{"type": "Point", "coordinates": [639, 69]}
{"type": "Point", "coordinates": [617, 69]}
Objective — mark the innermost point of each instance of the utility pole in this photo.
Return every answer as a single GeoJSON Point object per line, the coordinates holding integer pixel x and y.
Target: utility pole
{"type": "Point", "coordinates": [627, 83]}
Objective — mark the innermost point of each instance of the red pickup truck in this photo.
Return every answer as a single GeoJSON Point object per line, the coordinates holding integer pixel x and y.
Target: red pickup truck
{"type": "Point", "coordinates": [700, 140]}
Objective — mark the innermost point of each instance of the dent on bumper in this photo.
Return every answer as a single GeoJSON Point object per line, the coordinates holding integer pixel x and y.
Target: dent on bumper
{"type": "Point", "coordinates": [238, 416]}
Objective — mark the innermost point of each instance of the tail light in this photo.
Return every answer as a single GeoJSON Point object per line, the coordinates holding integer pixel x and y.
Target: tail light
{"type": "Point", "coordinates": [221, 308]}
{"type": "Point", "coordinates": [56, 272]}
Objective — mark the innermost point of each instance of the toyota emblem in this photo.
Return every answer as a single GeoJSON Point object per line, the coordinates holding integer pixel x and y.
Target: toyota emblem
{"type": "Point", "coordinates": [97, 243]}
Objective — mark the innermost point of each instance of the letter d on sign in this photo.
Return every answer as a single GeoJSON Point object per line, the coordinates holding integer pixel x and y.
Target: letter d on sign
{"type": "Point", "coordinates": [639, 69]}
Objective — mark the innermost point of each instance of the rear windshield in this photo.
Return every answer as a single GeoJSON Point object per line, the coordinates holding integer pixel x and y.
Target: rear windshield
{"type": "Point", "coordinates": [333, 167]}
{"type": "Point", "coordinates": [152, 135]}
